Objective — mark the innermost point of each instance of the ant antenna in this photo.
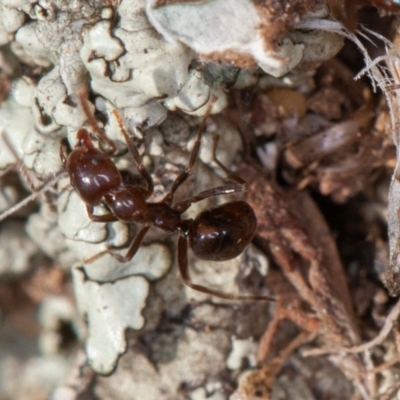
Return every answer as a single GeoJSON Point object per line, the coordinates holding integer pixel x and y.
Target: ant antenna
{"type": "Point", "coordinates": [92, 120]}
{"type": "Point", "coordinates": [134, 152]}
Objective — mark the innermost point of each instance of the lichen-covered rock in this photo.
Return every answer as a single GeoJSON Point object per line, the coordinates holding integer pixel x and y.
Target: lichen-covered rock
{"type": "Point", "coordinates": [112, 55]}
{"type": "Point", "coordinates": [246, 33]}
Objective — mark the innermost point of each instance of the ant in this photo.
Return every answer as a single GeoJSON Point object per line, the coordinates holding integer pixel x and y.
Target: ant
{"type": "Point", "coordinates": [217, 234]}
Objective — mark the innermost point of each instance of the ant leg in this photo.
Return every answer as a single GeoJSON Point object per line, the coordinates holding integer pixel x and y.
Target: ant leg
{"type": "Point", "coordinates": [109, 217]}
{"type": "Point", "coordinates": [183, 205]}
{"type": "Point", "coordinates": [193, 157]}
{"type": "Point", "coordinates": [229, 174]}
{"type": "Point", "coordinates": [133, 248]}
{"type": "Point", "coordinates": [93, 123]}
{"type": "Point", "coordinates": [135, 154]}
{"type": "Point", "coordinates": [239, 187]}
{"type": "Point", "coordinates": [184, 271]}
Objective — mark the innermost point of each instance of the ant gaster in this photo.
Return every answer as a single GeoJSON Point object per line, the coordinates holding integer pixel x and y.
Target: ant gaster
{"type": "Point", "coordinates": [217, 234]}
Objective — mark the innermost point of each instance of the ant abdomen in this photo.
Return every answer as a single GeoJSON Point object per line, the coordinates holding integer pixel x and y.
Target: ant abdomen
{"type": "Point", "coordinates": [222, 233]}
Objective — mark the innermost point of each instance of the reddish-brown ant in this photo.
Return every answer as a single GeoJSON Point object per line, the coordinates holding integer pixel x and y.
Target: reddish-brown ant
{"type": "Point", "coordinates": [217, 234]}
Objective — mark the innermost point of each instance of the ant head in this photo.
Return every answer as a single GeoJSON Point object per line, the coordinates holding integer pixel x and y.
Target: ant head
{"type": "Point", "coordinates": [84, 138]}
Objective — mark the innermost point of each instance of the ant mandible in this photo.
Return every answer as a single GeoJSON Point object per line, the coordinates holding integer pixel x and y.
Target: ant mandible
{"type": "Point", "coordinates": [217, 234]}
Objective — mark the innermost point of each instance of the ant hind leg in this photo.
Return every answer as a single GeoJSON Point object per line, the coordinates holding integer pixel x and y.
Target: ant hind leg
{"type": "Point", "coordinates": [229, 174]}
{"type": "Point", "coordinates": [184, 271]}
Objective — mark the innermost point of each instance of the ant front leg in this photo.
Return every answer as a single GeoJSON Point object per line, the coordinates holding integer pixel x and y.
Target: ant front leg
{"type": "Point", "coordinates": [184, 271]}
